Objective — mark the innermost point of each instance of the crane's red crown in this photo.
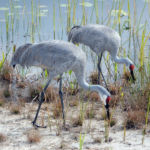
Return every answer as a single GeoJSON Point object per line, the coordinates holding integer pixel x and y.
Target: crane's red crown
{"type": "Point", "coordinates": [131, 67]}
{"type": "Point", "coordinates": [108, 99]}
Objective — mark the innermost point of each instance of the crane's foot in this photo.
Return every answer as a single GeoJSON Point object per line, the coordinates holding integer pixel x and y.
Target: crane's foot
{"type": "Point", "coordinates": [37, 126]}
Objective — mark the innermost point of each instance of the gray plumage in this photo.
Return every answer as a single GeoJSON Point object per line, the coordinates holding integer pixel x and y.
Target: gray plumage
{"type": "Point", "coordinates": [99, 38]}
{"type": "Point", "coordinates": [57, 57]}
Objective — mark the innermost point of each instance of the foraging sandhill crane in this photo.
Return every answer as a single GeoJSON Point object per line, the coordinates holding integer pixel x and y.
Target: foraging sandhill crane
{"type": "Point", "coordinates": [100, 38]}
{"type": "Point", "coordinates": [57, 57]}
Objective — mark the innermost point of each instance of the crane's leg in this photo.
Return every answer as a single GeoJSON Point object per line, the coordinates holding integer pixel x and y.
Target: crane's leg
{"type": "Point", "coordinates": [100, 70]}
{"type": "Point", "coordinates": [61, 97]}
{"type": "Point", "coordinates": [40, 103]}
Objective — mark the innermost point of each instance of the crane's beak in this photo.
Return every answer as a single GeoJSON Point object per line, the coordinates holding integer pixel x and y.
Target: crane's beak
{"type": "Point", "coordinates": [107, 110]}
{"type": "Point", "coordinates": [132, 75]}
{"type": "Point", "coordinates": [14, 66]}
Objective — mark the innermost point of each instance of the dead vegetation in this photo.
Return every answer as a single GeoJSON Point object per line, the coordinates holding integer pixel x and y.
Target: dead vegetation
{"type": "Point", "coordinates": [2, 102]}
{"type": "Point", "coordinates": [57, 110]}
{"type": "Point", "coordinates": [94, 78]}
{"type": "Point", "coordinates": [2, 137]}
{"type": "Point", "coordinates": [33, 136]}
{"type": "Point", "coordinates": [15, 109]}
{"type": "Point", "coordinates": [6, 72]}
{"type": "Point", "coordinates": [134, 119]}
{"type": "Point", "coordinates": [77, 121]}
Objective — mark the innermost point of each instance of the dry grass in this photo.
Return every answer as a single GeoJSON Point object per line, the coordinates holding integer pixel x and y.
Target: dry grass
{"type": "Point", "coordinates": [33, 136]}
{"type": "Point", "coordinates": [71, 90]}
{"type": "Point", "coordinates": [77, 121]}
{"type": "Point", "coordinates": [6, 72]}
{"type": "Point", "coordinates": [115, 99]}
{"type": "Point", "coordinates": [103, 115]}
{"type": "Point", "coordinates": [92, 96]}
{"type": "Point", "coordinates": [2, 137]}
{"type": "Point", "coordinates": [94, 78]}
{"type": "Point", "coordinates": [51, 94]}
{"type": "Point", "coordinates": [114, 89]}
{"type": "Point", "coordinates": [126, 79]}
{"type": "Point", "coordinates": [2, 102]}
{"type": "Point", "coordinates": [134, 119]}
{"type": "Point", "coordinates": [97, 140]}
{"type": "Point", "coordinates": [74, 102]}
{"type": "Point", "coordinates": [21, 84]}
{"type": "Point", "coordinates": [138, 99]}
{"type": "Point", "coordinates": [57, 110]}
{"type": "Point", "coordinates": [90, 113]}
{"type": "Point", "coordinates": [35, 91]}
{"type": "Point", "coordinates": [15, 109]}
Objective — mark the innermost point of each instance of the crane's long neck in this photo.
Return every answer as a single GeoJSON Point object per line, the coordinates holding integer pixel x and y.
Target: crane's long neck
{"type": "Point", "coordinates": [125, 61]}
{"type": "Point", "coordinates": [97, 88]}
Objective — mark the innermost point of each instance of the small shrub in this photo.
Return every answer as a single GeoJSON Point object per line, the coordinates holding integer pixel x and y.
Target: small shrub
{"type": "Point", "coordinates": [78, 121]}
{"type": "Point", "coordinates": [33, 136]}
{"type": "Point", "coordinates": [134, 119]}
{"type": "Point", "coordinates": [15, 109]}
{"type": "Point", "coordinates": [114, 89]}
{"type": "Point", "coordinates": [97, 140]}
{"type": "Point", "coordinates": [74, 102]}
{"type": "Point", "coordinates": [113, 121]}
{"type": "Point", "coordinates": [2, 138]}
{"type": "Point", "coordinates": [35, 91]}
{"type": "Point", "coordinates": [6, 72]}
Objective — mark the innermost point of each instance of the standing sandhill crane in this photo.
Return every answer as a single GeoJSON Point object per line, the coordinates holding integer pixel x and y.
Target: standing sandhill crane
{"type": "Point", "coordinates": [100, 38]}
{"type": "Point", "coordinates": [57, 57]}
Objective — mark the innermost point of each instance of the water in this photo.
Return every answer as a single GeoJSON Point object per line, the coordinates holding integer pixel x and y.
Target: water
{"type": "Point", "coordinates": [45, 20]}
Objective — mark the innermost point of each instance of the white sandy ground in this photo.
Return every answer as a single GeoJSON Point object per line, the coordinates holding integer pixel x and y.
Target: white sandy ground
{"type": "Point", "coordinates": [16, 127]}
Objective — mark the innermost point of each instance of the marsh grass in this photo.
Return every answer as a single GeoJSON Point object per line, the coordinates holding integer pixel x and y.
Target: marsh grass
{"type": "Point", "coordinates": [81, 141]}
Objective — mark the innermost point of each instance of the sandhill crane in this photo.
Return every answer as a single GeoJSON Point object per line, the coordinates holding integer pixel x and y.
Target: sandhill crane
{"type": "Point", "coordinates": [100, 38]}
{"type": "Point", "coordinates": [57, 57]}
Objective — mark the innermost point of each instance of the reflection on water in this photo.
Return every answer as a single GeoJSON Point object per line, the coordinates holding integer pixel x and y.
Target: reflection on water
{"type": "Point", "coordinates": [40, 20]}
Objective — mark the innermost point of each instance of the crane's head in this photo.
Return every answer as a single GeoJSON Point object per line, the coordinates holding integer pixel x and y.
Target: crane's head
{"type": "Point", "coordinates": [72, 32]}
{"type": "Point", "coordinates": [131, 67]}
{"type": "Point", "coordinates": [18, 53]}
{"type": "Point", "coordinates": [107, 106]}
{"type": "Point", "coordinates": [104, 95]}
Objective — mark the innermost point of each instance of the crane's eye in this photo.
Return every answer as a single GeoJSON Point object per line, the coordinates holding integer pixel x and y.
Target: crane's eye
{"type": "Point", "coordinates": [131, 67]}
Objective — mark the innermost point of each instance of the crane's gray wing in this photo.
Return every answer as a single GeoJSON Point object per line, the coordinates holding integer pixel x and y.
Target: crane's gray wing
{"type": "Point", "coordinates": [54, 57]}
